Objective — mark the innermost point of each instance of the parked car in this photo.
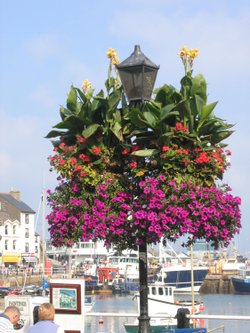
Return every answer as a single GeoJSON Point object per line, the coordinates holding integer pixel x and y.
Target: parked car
{"type": "Point", "coordinates": [4, 291]}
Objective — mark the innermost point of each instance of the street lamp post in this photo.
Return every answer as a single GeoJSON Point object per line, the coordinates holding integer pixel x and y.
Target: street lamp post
{"type": "Point", "coordinates": [138, 75]}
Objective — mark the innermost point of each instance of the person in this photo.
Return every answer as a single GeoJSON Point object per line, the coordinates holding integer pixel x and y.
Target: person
{"type": "Point", "coordinates": [46, 315]}
{"type": "Point", "coordinates": [9, 318]}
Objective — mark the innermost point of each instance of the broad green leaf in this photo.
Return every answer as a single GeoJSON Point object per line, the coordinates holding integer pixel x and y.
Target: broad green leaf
{"type": "Point", "coordinates": [54, 134]}
{"type": "Point", "coordinates": [220, 136]}
{"type": "Point", "coordinates": [150, 119]}
{"type": "Point", "coordinates": [64, 112]}
{"type": "Point", "coordinates": [90, 130]}
{"type": "Point", "coordinates": [166, 112]}
{"type": "Point", "coordinates": [81, 95]}
{"type": "Point", "coordinates": [117, 130]}
{"type": "Point", "coordinates": [154, 109]}
{"type": "Point", "coordinates": [72, 123]}
{"type": "Point", "coordinates": [72, 99]}
{"type": "Point", "coordinates": [136, 118]}
{"type": "Point", "coordinates": [114, 99]}
{"type": "Point", "coordinates": [199, 87]}
{"type": "Point", "coordinates": [205, 113]}
{"type": "Point", "coordinates": [145, 152]}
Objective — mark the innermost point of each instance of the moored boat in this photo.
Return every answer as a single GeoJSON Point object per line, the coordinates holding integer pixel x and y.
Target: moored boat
{"type": "Point", "coordinates": [241, 283]}
{"type": "Point", "coordinates": [163, 308]}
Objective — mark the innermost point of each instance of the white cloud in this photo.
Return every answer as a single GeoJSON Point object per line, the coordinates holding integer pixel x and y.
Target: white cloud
{"type": "Point", "coordinates": [222, 39]}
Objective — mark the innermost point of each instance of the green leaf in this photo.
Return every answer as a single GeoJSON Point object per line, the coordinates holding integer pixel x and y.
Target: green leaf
{"type": "Point", "coordinates": [72, 99]}
{"type": "Point", "coordinates": [145, 152]}
{"type": "Point", "coordinates": [64, 112]}
{"type": "Point", "coordinates": [90, 130]}
{"type": "Point", "coordinates": [117, 130]}
{"type": "Point", "coordinates": [220, 136]}
{"type": "Point", "coordinates": [150, 119]}
{"type": "Point", "coordinates": [199, 87]}
{"type": "Point", "coordinates": [205, 113]}
{"type": "Point", "coordinates": [81, 95]}
{"type": "Point", "coordinates": [53, 134]}
{"type": "Point", "coordinates": [166, 112]}
{"type": "Point", "coordinates": [71, 123]}
{"type": "Point", "coordinates": [135, 116]}
{"type": "Point", "coordinates": [114, 99]}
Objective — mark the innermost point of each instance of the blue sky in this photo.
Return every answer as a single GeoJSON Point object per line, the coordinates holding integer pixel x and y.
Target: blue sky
{"type": "Point", "coordinates": [48, 45]}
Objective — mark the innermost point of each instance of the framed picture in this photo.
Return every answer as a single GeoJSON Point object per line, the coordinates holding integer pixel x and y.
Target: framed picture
{"type": "Point", "coordinates": [66, 298]}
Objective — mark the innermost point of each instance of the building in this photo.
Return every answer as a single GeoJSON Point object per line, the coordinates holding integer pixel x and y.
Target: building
{"type": "Point", "coordinates": [19, 244]}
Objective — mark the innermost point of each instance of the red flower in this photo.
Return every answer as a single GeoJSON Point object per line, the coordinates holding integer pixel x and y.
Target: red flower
{"type": "Point", "coordinates": [125, 152]}
{"type": "Point", "coordinates": [180, 127]}
{"type": "Point", "coordinates": [134, 148]}
{"type": "Point", "coordinates": [73, 160]}
{"type": "Point", "coordinates": [84, 157]}
{"type": "Point", "coordinates": [81, 139]}
{"type": "Point", "coordinates": [96, 150]}
{"type": "Point", "coordinates": [133, 164]}
{"type": "Point", "coordinates": [78, 168]}
{"type": "Point", "coordinates": [61, 162]}
{"type": "Point", "coordinates": [165, 148]}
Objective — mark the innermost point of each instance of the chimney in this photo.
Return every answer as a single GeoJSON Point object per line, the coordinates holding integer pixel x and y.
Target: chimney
{"type": "Point", "coordinates": [16, 194]}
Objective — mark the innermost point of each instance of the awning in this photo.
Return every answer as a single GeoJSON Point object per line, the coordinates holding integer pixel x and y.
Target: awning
{"type": "Point", "coordinates": [11, 259]}
{"type": "Point", "coordinates": [30, 259]}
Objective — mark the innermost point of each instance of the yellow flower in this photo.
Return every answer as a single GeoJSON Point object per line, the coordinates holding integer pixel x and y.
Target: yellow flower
{"type": "Point", "coordinates": [113, 56]}
{"type": "Point", "coordinates": [86, 85]}
{"type": "Point", "coordinates": [187, 57]}
{"type": "Point", "coordinates": [193, 53]}
{"type": "Point", "coordinates": [140, 173]}
{"type": "Point", "coordinates": [111, 53]}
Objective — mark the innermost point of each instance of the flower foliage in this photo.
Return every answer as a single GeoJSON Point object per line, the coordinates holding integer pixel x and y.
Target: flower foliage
{"type": "Point", "coordinates": [130, 174]}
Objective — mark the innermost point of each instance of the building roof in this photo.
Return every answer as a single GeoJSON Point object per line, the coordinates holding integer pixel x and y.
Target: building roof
{"type": "Point", "coordinates": [20, 205]}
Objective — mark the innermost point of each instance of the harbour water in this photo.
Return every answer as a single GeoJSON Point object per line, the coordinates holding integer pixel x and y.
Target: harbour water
{"type": "Point", "coordinates": [214, 305]}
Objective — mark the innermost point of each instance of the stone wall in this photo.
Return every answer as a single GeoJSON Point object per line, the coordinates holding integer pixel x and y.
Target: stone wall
{"type": "Point", "coordinates": [217, 284]}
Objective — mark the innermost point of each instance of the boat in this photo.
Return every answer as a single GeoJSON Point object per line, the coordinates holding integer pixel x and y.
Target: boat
{"type": "Point", "coordinates": [179, 276]}
{"type": "Point", "coordinates": [177, 270]}
{"type": "Point", "coordinates": [163, 308]}
{"type": "Point", "coordinates": [241, 282]}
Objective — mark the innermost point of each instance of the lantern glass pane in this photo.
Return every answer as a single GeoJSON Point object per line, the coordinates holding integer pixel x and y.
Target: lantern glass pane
{"type": "Point", "coordinates": [138, 82]}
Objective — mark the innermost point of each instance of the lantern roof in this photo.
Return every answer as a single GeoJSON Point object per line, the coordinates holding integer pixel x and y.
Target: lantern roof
{"type": "Point", "coordinates": [137, 58]}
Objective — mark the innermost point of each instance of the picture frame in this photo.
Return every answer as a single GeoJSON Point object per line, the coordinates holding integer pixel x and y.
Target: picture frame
{"type": "Point", "coordinates": [66, 298]}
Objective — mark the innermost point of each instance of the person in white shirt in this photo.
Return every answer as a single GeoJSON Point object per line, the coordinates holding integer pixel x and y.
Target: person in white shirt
{"type": "Point", "coordinates": [46, 315]}
{"type": "Point", "coordinates": [9, 318]}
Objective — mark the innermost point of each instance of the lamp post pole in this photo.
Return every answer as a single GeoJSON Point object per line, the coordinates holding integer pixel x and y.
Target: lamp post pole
{"type": "Point", "coordinates": [144, 319]}
{"type": "Point", "coordinates": [138, 75]}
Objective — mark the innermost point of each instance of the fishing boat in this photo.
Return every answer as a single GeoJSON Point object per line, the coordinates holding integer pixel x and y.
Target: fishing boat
{"type": "Point", "coordinates": [179, 276]}
{"type": "Point", "coordinates": [177, 270]}
{"type": "Point", "coordinates": [241, 282]}
{"type": "Point", "coordinates": [163, 308]}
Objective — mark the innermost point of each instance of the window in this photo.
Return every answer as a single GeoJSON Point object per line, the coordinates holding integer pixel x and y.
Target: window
{"type": "Point", "coordinates": [26, 233]}
{"type": "Point", "coordinates": [14, 229]}
{"type": "Point", "coordinates": [26, 218]}
{"type": "Point", "coordinates": [27, 249]}
{"type": "Point", "coordinates": [36, 249]}
{"type": "Point", "coordinates": [6, 230]}
{"type": "Point", "coordinates": [6, 245]}
{"type": "Point", "coordinates": [14, 244]}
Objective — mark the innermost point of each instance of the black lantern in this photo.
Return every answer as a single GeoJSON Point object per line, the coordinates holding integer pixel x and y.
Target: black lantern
{"type": "Point", "coordinates": [138, 75]}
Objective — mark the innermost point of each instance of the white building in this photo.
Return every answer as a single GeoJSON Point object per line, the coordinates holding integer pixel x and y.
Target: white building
{"type": "Point", "coordinates": [18, 241]}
